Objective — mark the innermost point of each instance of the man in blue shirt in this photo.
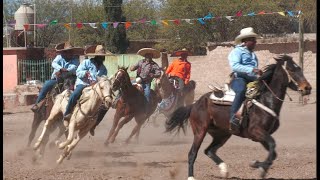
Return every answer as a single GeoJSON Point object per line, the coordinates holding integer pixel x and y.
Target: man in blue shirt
{"type": "Point", "coordinates": [65, 62]}
{"type": "Point", "coordinates": [87, 73]}
{"type": "Point", "coordinates": [244, 64]}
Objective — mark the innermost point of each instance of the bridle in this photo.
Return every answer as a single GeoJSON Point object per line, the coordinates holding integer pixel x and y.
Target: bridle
{"type": "Point", "coordinates": [103, 98]}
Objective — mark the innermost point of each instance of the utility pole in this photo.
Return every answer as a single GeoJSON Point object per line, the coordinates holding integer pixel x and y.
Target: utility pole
{"type": "Point", "coordinates": [34, 25]}
{"type": "Point", "coordinates": [301, 48]}
{"type": "Point", "coordinates": [70, 21]}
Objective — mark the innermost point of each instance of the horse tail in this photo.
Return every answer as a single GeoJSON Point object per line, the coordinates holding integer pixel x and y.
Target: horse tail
{"type": "Point", "coordinates": [179, 119]}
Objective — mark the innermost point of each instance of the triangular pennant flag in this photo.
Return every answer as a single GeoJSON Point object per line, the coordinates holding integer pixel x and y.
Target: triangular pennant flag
{"type": "Point", "coordinates": [229, 18]}
{"type": "Point", "coordinates": [127, 25]}
{"type": "Point", "coordinates": [208, 17]}
{"type": "Point", "coordinates": [290, 13]}
{"type": "Point", "coordinates": [67, 25]}
{"type": "Point", "coordinates": [53, 22]}
{"type": "Point", "coordinates": [201, 21]}
{"type": "Point", "coordinates": [115, 24]}
{"type": "Point", "coordinates": [41, 25]}
{"type": "Point", "coordinates": [79, 25]}
{"type": "Point", "coordinates": [282, 13]}
{"type": "Point", "coordinates": [299, 13]}
{"type": "Point", "coordinates": [26, 27]}
{"type": "Point", "coordinates": [188, 21]}
{"type": "Point", "coordinates": [104, 25]}
{"type": "Point", "coordinates": [262, 12]}
{"type": "Point", "coordinates": [142, 20]}
{"type": "Point", "coordinates": [153, 22]}
{"type": "Point", "coordinates": [93, 25]}
{"type": "Point", "coordinates": [251, 14]}
{"type": "Point", "coordinates": [239, 13]}
{"type": "Point", "coordinates": [177, 21]}
{"type": "Point", "coordinates": [165, 22]}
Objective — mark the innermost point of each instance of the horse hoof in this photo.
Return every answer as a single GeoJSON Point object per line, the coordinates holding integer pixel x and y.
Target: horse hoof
{"type": "Point", "coordinates": [36, 145]}
{"type": "Point", "coordinates": [191, 178]}
{"type": "Point", "coordinates": [254, 164]}
{"type": "Point", "coordinates": [69, 156]}
{"type": "Point", "coordinates": [223, 170]}
{"type": "Point", "coordinates": [59, 161]}
{"type": "Point", "coordinates": [263, 172]}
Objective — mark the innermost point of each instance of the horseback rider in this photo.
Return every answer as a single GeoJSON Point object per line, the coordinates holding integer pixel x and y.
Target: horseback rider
{"type": "Point", "coordinates": [87, 73]}
{"type": "Point", "coordinates": [65, 63]}
{"type": "Point", "coordinates": [244, 64]}
{"type": "Point", "coordinates": [180, 68]}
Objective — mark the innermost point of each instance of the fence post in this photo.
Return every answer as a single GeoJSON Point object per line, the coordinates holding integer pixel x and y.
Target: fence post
{"type": "Point", "coordinates": [301, 49]}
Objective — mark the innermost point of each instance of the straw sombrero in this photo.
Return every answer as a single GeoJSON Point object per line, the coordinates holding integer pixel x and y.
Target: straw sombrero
{"type": "Point", "coordinates": [182, 51]}
{"type": "Point", "coordinates": [96, 50]}
{"type": "Point", "coordinates": [144, 51]}
{"type": "Point", "coordinates": [245, 33]}
{"type": "Point", "coordinates": [67, 46]}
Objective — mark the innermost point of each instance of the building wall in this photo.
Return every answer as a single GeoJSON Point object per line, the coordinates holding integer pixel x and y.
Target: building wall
{"type": "Point", "coordinates": [10, 72]}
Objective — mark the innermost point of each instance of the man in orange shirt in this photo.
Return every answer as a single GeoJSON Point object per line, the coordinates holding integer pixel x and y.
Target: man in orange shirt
{"type": "Point", "coordinates": [180, 67]}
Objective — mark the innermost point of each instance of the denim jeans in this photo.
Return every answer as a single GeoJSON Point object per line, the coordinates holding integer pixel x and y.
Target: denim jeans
{"type": "Point", "coordinates": [74, 98]}
{"type": "Point", "coordinates": [47, 87]}
{"type": "Point", "coordinates": [146, 88]}
{"type": "Point", "coordinates": [239, 86]}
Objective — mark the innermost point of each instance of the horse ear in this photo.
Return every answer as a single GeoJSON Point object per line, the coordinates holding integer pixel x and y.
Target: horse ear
{"type": "Point", "coordinates": [126, 68]}
{"type": "Point", "coordinates": [118, 67]}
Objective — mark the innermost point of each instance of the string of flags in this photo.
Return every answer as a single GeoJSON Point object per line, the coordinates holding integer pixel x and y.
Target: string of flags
{"type": "Point", "coordinates": [165, 23]}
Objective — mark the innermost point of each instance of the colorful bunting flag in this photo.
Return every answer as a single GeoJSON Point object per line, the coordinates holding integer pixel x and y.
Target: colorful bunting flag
{"type": "Point", "coordinates": [290, 13]}
{"type": "Point", "coordinates": [165, 22]}
{"type": "Point", "coordinates": [104, 25]}
{"type": "Point", "coordinates": [261, 12]}
{"type": "Point", "coordinates": [177, 21]}
{"type": "Point", "coordinates": [115, 24]}
{"type": "Point", "coordinates": [93, 25]}
{"type": "Point", "coordinates": [153, 22]}
{"type": "Point", "coordinates": [142, 20]}
{"type": "Point", "coordinates": [251, 14]}
{"type": "Point", "coordinates": [229, 18]}
{"type": "Point", "coordinates": [53, 22]}
{"type": "Point", "coordinates": [127, 25]}
{"type": "Point", "coordinates": [67, 25]}
{"type": "Point", "coordinates": [282, 13]}
{"type": "Point", "coordinates": [79, 25]}
{"type": "Point", "coordinates": [208, 17]}
{"type": "Point", "coordinates": [201, 21]}
{"type": "Point", "coordinates": [239, 13]}
{"type": "Point", "coordinates": [26, 27]}
{"type": "Point", "coordinates": [188, 21]}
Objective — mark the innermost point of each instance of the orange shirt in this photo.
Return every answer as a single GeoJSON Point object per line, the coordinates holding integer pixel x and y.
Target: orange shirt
{"type": "Point", "coordinates": [181, 69]}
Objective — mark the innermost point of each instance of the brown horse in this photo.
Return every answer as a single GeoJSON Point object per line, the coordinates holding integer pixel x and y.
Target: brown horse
{"type": "Point", "coordinates": [132, 103]}
{"type": "Point", "coordinates": [177, 97]}
{"type": "Point", "coordinates": [205, 116]}
{"type": "Point", "coordinates": [46, 105]}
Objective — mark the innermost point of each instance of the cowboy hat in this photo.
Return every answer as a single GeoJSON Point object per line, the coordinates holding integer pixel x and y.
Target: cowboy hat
{"type": "Point", "coordinates": [96, 50]}
{"type": "Point", "coordinates": [245, 33]}
{"type": "Point", "coordinates": [180, 52]}
{"type": "Point", "coordinates": [67, 46]}
{"type": "Point", "coordinates": [144, 51]}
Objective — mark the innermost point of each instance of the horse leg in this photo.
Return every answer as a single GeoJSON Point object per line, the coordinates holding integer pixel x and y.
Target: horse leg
{"type": "Point", "coordinates": [269, 143]}
{"type": "Point", "coordinates": [62, 131]}
{"type": "Point", "coordinates": [217, 142]}
{"type": "Point", "coordinates": [35, 124]}
{"type": "Point", "coordinates": [46, 126]}
{"type": "Point", "coordinates": [197, 141]}
{"type": "Point", "coordinates": [116, 119]}
{"type": "Point", "coordinates": [70, 135]}
{"type": "Point", "coordinates": [135, 130]}
{"type": "Point", "coordinates": [121, 124]}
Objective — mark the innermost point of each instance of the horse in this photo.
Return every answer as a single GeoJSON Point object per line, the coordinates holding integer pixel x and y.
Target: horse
{"type": "Point", "coordinates": [259, 124]}
{"type": "Point", "coordinates": [174, 97]}
{"type": "Point", "coordinates": [46, 105]}
{"type": "Point", "coordinates": [132, 103]}
{"type": "Point", "coordinates": [83, 116]}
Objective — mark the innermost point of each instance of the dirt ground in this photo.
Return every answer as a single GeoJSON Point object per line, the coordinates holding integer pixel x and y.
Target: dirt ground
{"type": "Point", "coordinates": [159, 156]}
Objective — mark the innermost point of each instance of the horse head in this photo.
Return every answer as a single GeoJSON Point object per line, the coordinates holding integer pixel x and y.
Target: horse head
{"type": "Point", "coordinates": [164, 85]}
{"type": "Point", "coordinates": [104, 87]}
{"type": "Point", "coordinates": [121, 79]}
{"type": "Point", "coordinates": [297, 81]}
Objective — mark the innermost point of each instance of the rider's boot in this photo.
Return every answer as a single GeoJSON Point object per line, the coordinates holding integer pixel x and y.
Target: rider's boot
{"type": "Point", "coordinates": [234, 125]}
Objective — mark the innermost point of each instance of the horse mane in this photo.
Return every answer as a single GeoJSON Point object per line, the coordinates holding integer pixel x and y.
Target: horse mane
{"type": "Point", "coordinates": [267, 73]}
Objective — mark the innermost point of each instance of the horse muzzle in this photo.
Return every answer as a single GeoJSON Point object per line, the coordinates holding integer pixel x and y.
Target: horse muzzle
{"type": "Point", "coordinates": [107, 101]}
{"type": "Point", "coordinates": [305, 89]}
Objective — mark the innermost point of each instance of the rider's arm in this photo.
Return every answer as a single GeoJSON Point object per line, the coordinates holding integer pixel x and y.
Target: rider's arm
{"type": "Point", "coordinates": [55, 63]}
{"type": "Point", "coordinates": [157, 71]}
{"type": "Point", "coordinates": [72, 67]}
{"type": "Point", "coordinates": [188, 73]}
{"type": "Point", "coordinates": [235, 62]}
{"type": "Point", "coordinates": [103, 71]}
{"type": "Point", "coordinates": [169, 69]}
{"type": "Point", "coordinates": [82, 69]}
{"type": "Point", "coordinates": [135, 67]}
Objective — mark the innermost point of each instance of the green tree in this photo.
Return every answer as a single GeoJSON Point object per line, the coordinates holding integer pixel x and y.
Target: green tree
{"type": "Point", "coordinates": [116, 38]}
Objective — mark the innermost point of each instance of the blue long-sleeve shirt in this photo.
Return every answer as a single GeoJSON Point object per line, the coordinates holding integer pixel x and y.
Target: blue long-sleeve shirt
{"type": "Point", "coordinates": [88, 65]}
{"type": "Point", "coordinates": [59, 62]}
{"type": "Point", "coordinates": [241, 60]}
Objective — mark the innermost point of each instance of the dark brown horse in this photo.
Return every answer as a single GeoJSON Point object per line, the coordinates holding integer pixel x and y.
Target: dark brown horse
{"type": "Point", "coordinates": [132, 104]}
{"type": "Point", "coordinates": [207, 117]}
{"type": "Point", "coordinates": [46, 105]}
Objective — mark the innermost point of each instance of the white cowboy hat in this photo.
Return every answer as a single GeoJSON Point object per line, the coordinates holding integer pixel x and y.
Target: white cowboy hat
{"type": "Point", "coordinates": [67, 46]}
{"type": "Point", "coordinates": [182, 51]}
{"type": "Point", "coordinates": [245, 33]}
{"type": "Point", "coordinates": [144, 51]}
{"type": "Point", "coordinates": [96, 50]}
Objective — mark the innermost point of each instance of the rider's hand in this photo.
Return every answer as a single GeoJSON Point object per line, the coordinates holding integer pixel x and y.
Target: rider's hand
{"type": "Point", "coordinates": [58, 73]}
{"type": "Point", "coordinates": [63, 70]}
{"type": "Point", "coordinates": [257, 71]}
{"type": "Point", "coordinates": [87, 74]}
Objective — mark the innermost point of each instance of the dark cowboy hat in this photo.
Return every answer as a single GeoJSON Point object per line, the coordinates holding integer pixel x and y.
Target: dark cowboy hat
{"type": "Point", "coordinates": [182, 51]}
{"type": "Point", "coordinates": [144, 51]}
{"type": "Point", "coordinates": [67, 46]}
{"type": "Point", "coordinates": [96, 50]}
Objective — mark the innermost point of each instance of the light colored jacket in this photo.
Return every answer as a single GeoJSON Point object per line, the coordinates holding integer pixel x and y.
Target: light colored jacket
{"type": "Point", "coordinates": [241, 60]}
{"type": "Point", "coordinates": [59, 62]}
{"type": "Point", "coordinates": [88, 65]}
